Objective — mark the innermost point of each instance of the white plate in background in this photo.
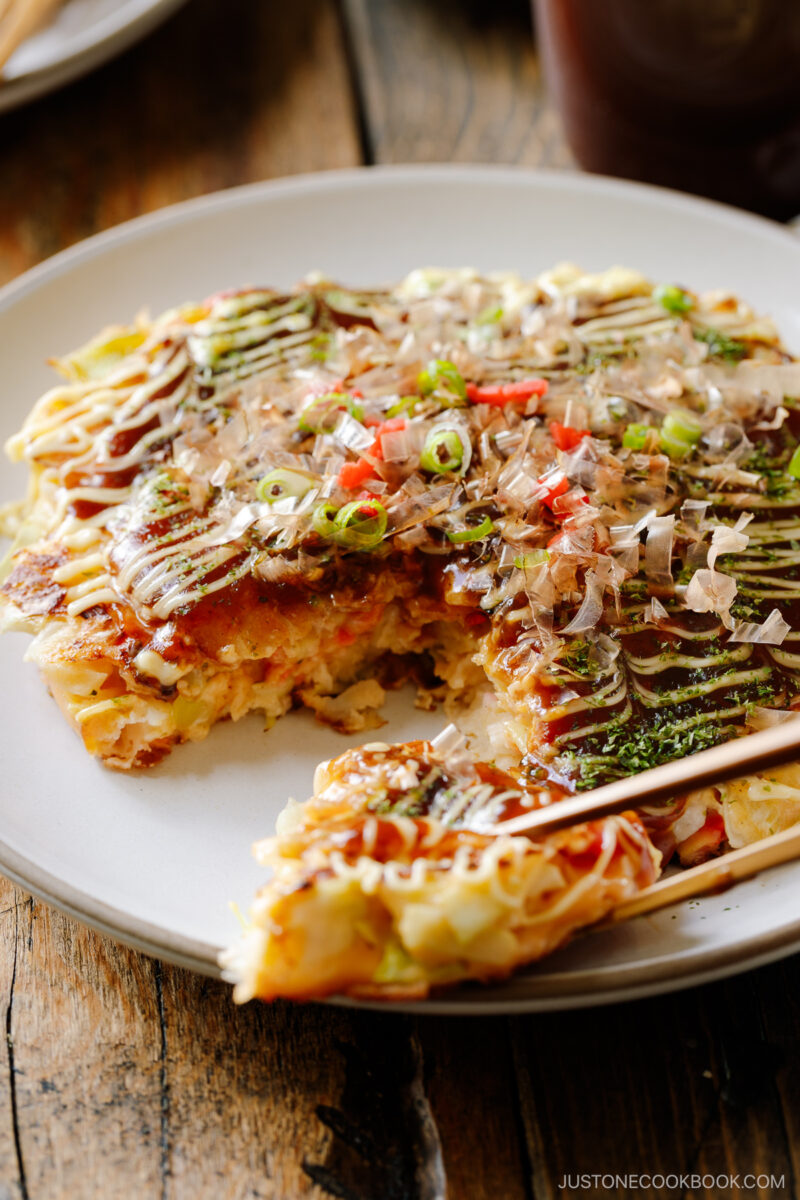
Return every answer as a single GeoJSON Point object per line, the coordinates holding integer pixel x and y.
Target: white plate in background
{"type": "Point", "coordinates": [155, 856]}
{"type": "Point", "coordinates": [83, 35]}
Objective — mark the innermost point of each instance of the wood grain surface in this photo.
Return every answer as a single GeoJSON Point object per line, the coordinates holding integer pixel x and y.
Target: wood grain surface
{"type": "Point", "coordinates": [451, 80]}
{"type": "Point", "coordinates": [123, 1077]}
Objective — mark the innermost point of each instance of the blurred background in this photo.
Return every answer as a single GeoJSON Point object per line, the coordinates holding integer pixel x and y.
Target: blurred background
{"type": "Point", "coordinates": [703, 97]}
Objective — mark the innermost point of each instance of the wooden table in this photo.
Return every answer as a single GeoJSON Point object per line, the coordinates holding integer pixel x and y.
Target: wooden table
{"type": "Point", "coordinates": [123, 1077]}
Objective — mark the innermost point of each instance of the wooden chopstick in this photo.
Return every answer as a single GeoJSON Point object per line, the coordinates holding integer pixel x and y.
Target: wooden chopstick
{"type": "Point", "coordinates": [713, 876]}
{"type": "Point", "coordinates": [18, 20]}
{"type": "Point", "coordinates": [731, 760]}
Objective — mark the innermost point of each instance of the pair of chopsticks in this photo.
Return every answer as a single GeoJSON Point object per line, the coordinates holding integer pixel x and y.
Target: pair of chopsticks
{"type": "Point", "coordinates": [745, 756]}
{"type": "Point", "coordinates": [19, 19]}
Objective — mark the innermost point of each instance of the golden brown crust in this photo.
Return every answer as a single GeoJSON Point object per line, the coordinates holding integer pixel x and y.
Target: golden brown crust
{"type": "Point", "coordinates": [30, 586]}
{"type": "Point", "coordinates": [387, 886]}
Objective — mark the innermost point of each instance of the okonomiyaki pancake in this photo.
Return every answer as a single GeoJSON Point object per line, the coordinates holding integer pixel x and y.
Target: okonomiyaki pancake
{"type": "Point", "coordinates": [569, 505]}
{"type": "Point", "coordinates": [385, 883]}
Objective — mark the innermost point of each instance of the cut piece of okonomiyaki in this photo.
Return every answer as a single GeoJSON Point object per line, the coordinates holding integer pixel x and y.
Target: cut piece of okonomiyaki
{"type": "Point", "coordinates": [387, 884]}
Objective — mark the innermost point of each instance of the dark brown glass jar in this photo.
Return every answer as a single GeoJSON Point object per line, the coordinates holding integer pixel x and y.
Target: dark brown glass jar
{"type": "Point", "coordinates": [701, 95]}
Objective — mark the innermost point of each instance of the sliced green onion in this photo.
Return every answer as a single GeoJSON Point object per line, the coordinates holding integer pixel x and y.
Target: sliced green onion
{"type": "Point", "coordinates": [323, 519]}
{"type": "Point", "coordinates": [636, 435]}
{"type": "Point", "coordinates": [489, 315]}
{"type": "Point", "coordinates": [794, 464]}
{"type": "Point", "coordinates": [533, 558]}
{"type": "Point", "coordinates": [474, 533]}
{"type": "Point", "coordinates": [680, 431]}
{"type": "Point", "coordinates": [443, 380]}
{"type": "Point", "coordinates": [443, 451]}
{"type": "Point", "coordinates": [321, 415]}
{"type": "Point", "coordinates": [360, 525]}
{"type": "Point", "coordinates": [682, 425]}
{"type": "Point", "coordinates": [281, 483]}
{"type": "Point", "coordinates": [673, 299]}
{"type": "Point", "coordinates": [617, 407]}
{"type": "Point", "coordinates": [674, 447]}
{"type": "Point", "coordinates": [406, 404]}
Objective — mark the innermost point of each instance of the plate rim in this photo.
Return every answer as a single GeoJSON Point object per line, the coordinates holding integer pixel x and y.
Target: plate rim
{"type": "Point", "coordinates": [558, 992]}
{"type": "Point", "coordinates": [115, 34]}
{"type": "Point", "coordinates": [342, 178]}
{"type": "Point", "coordinates": [568, 990]}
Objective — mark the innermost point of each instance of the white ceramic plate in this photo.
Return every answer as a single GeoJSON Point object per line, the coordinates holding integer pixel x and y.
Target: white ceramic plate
{"type": "Point", "coordinates": [154, 857]}
{"type": "Point", "coordinates": [84, 34]}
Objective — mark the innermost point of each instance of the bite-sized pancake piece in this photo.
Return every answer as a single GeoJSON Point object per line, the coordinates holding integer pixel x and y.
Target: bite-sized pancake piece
{"type": "Point", "coordinates": [387, 883]}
